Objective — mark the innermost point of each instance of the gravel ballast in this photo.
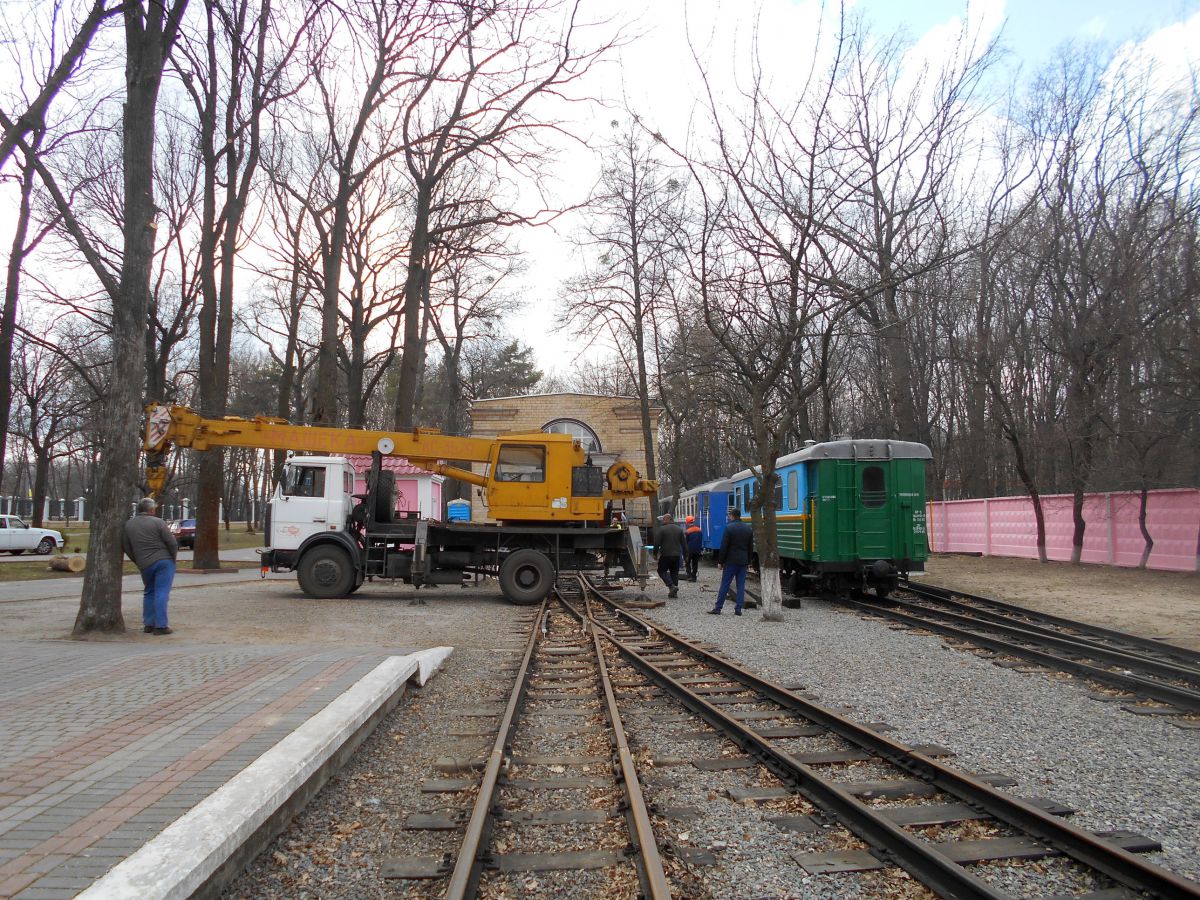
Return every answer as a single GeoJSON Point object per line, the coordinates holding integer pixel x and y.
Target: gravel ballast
{"type": "Point", "coordinates": [1120, 770]}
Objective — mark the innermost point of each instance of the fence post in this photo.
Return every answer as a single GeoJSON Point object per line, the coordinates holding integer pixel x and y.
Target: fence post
{"type": "Point", "coordinates": [987, 528]}
{"type": "Point", "coordinates": [1112, 530]}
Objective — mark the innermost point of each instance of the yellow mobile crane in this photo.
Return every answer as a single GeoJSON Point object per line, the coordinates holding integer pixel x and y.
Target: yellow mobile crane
{"type": "Point", "coordinates": [548, 497]}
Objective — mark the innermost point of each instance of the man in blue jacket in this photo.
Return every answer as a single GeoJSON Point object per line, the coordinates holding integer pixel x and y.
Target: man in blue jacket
{"type": "Point", "coordinates": [737, 549]}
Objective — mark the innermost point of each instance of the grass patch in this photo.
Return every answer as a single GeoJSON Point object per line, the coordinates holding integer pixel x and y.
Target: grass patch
{"type": "Point", "coordinates": [236, 538]}
{"type": "Point", "coordinates": [39, 570]}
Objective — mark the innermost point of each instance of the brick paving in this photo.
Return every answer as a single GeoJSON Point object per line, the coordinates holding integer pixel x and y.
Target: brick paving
{"type": "Point", "coordinates": [102, 745]}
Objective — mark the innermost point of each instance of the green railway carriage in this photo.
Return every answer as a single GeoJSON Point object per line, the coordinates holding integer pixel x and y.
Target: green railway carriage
{"type": "Point", "coordinates": [850, 514]}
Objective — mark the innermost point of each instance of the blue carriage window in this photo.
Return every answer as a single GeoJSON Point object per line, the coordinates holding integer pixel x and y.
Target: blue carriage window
{"type": "Point", "coordinates": [874, 488]}
{"type": "Point", "coordinates": [793, 492]}
{"type": "Point", "coordinates": [737, 498]}
{"type": "Point", "coordinates": [778, 493]}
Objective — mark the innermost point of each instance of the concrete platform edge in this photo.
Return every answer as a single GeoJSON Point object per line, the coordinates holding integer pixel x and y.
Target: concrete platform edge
{"type": "Point", "coordinates": [184, 857]}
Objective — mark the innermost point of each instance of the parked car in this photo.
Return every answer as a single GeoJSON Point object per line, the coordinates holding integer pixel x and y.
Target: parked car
{"type": "Point", "coordinates": [185, 532]}
{"type": "Point", "coordinates": [16, 537]}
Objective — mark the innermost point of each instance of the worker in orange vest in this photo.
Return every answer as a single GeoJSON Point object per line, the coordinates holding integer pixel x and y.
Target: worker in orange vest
{"type": "Point", "coordinates": [694, 547]}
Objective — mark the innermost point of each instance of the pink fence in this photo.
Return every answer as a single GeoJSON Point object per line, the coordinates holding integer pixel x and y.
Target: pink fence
{"type": "Point", "coordinates": [1005, 526]}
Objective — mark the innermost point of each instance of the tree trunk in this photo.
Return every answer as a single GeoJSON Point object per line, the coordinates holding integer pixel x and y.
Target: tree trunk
{"type": "Point", "coordinates": [1148, 547]}
{"type": "Point", "coordinates": [414, 291]}
{"type": "Point", "coordinates": [8, 318]}
{"type": "Point", "coordinates": [325, 406]}
{"type": "Point", "coordinates": [120, 420]}
{"type": "Point", "coordinates": [1080, 525]}
{"type": "Point", "coordinates": [41, 469]}
{"type": "Point", "coordinates": [283, 405]}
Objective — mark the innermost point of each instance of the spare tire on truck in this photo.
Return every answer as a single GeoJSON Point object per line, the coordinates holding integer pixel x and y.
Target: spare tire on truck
{"type": "Point", "coordinates": [326, 571]}
{"type": "Point", "coordinates": [526, 577]}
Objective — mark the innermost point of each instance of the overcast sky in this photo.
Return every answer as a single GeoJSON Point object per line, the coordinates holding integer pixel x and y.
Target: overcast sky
{"type": "Point", "coordinates": [657, 74]}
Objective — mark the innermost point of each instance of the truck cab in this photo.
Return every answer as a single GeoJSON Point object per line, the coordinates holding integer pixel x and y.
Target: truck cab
{"type": "Point", "coordinates": [315, 495]}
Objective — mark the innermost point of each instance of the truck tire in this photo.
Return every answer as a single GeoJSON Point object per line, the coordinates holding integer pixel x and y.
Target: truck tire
{"type": "Point", "coordinates": [326, 572]}
{"type": "Point", "coordinates": [46, 546]}
{"type": "Point", "coordinates": [385, 497]}
{"type": "Point", "coordinates": [526, 577]}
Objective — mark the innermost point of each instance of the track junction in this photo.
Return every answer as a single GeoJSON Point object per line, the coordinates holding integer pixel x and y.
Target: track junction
{"type": "Point", "coordinates": [565, 794]}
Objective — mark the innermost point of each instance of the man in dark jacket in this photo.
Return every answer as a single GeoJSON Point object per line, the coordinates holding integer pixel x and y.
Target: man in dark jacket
{"type": "Point", "coordinates": [737, 549]}
{"type": "Point", "coordinates": [150, 544]}
{"type": "Point", "coordinates": [668, 544]}
{"type": "Point", "coordinates": [695, 540]}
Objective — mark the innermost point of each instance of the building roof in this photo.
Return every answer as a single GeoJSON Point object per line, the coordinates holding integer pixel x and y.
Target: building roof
{"type": "Point", "coordinates": [563, 394]}
{"type": "Point", "coordinates": [397, 464]}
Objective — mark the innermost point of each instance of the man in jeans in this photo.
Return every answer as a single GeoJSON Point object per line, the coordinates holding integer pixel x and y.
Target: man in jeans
{"type": "Point", "coordinates": [737, 549]}
{"type": "Point", "coordinates": [150, 544]}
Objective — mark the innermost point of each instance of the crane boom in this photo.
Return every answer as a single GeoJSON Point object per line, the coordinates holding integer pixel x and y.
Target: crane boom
{"type": "Point", "coordinates": [516, 462]}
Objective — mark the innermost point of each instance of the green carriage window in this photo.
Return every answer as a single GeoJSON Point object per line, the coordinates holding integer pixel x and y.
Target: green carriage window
{"type": "Point", "coordinates": [874, 488]}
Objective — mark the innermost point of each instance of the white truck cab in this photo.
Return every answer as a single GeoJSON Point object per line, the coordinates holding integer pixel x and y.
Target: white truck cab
{"type": "Point", "coordinates": [315, 494]}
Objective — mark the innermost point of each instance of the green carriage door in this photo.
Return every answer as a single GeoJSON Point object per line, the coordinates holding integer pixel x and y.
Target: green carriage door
{"type": "Point", "coordinates": [844, 505]}
{"type": "Point", "coordinates": [874, 518]}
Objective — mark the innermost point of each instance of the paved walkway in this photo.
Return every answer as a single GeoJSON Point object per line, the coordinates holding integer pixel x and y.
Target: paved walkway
{"type": "Point", "coordinates": [103, 745]}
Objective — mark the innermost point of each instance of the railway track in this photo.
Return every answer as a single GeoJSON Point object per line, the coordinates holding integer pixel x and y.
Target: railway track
{"type": "Point", "coordinates": [1163, 674]}
{"type": "Point", "coordinates": [580, 813]}
{"type": "Point", "coordinates": [577, 811]}
{"type": "Point", "coordinates": [762, 717]}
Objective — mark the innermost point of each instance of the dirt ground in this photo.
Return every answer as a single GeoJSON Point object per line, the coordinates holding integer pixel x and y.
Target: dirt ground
{"type": "Point", "coordinates": [1163, 605]}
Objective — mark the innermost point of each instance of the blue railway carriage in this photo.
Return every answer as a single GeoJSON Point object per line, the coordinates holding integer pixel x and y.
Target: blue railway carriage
{"type": "Point", "coordinates": [850, 514]}
{"type": "Point", "coordinates": [709, 504]}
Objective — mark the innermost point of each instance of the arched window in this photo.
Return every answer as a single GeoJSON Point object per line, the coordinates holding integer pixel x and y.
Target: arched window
{"type": "Point", "coordinates": [576, 429]}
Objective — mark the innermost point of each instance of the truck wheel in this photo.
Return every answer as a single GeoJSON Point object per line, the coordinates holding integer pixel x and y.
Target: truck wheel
{"type": "Point", "coordinates": [46, 546]}
{"type": "Point", "coordinates": [526, 577]}
{"type": "Point", "coordinates": [326, 572]}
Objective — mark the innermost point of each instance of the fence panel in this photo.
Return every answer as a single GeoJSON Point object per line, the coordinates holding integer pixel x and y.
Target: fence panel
{"type": "Point", "coordinates": [1005, 526]}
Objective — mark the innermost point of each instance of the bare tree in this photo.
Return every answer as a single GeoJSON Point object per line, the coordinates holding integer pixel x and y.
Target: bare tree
{"type": "Point", "coordinates": [479, 107]}
{"type": "Point", "coordinates": [631, 241]}
{"type": "Point", "coordinates": [150, 33]}
{"type": "Point", "coordinates": [361, 133]}
{"type": "Point", "coordinates": [48, 411]}
{"type": "Point", "coordinates": [18, 125]}
{"type": "Point", "coordinates": [234, 69]}
{"type": "Point", "coordinates": [1116, 197]}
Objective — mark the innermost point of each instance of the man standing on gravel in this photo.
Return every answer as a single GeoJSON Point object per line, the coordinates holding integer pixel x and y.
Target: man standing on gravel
{"type": "Point", "coordinates": [695, 541]}
{"type": "Point", "coordinates": [150, 544]}
{"type": "Point", "coordinates": [668, 544]}
{"type": "Point", "coordinates": [737, 549]}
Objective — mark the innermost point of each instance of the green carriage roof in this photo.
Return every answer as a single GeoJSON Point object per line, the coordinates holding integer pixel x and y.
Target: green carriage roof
{"type": "Point", "coordinates": [864, 449]}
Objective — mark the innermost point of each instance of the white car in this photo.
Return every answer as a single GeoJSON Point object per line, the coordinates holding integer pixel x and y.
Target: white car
{"type": "Point", "coordinates": [16, 537]}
